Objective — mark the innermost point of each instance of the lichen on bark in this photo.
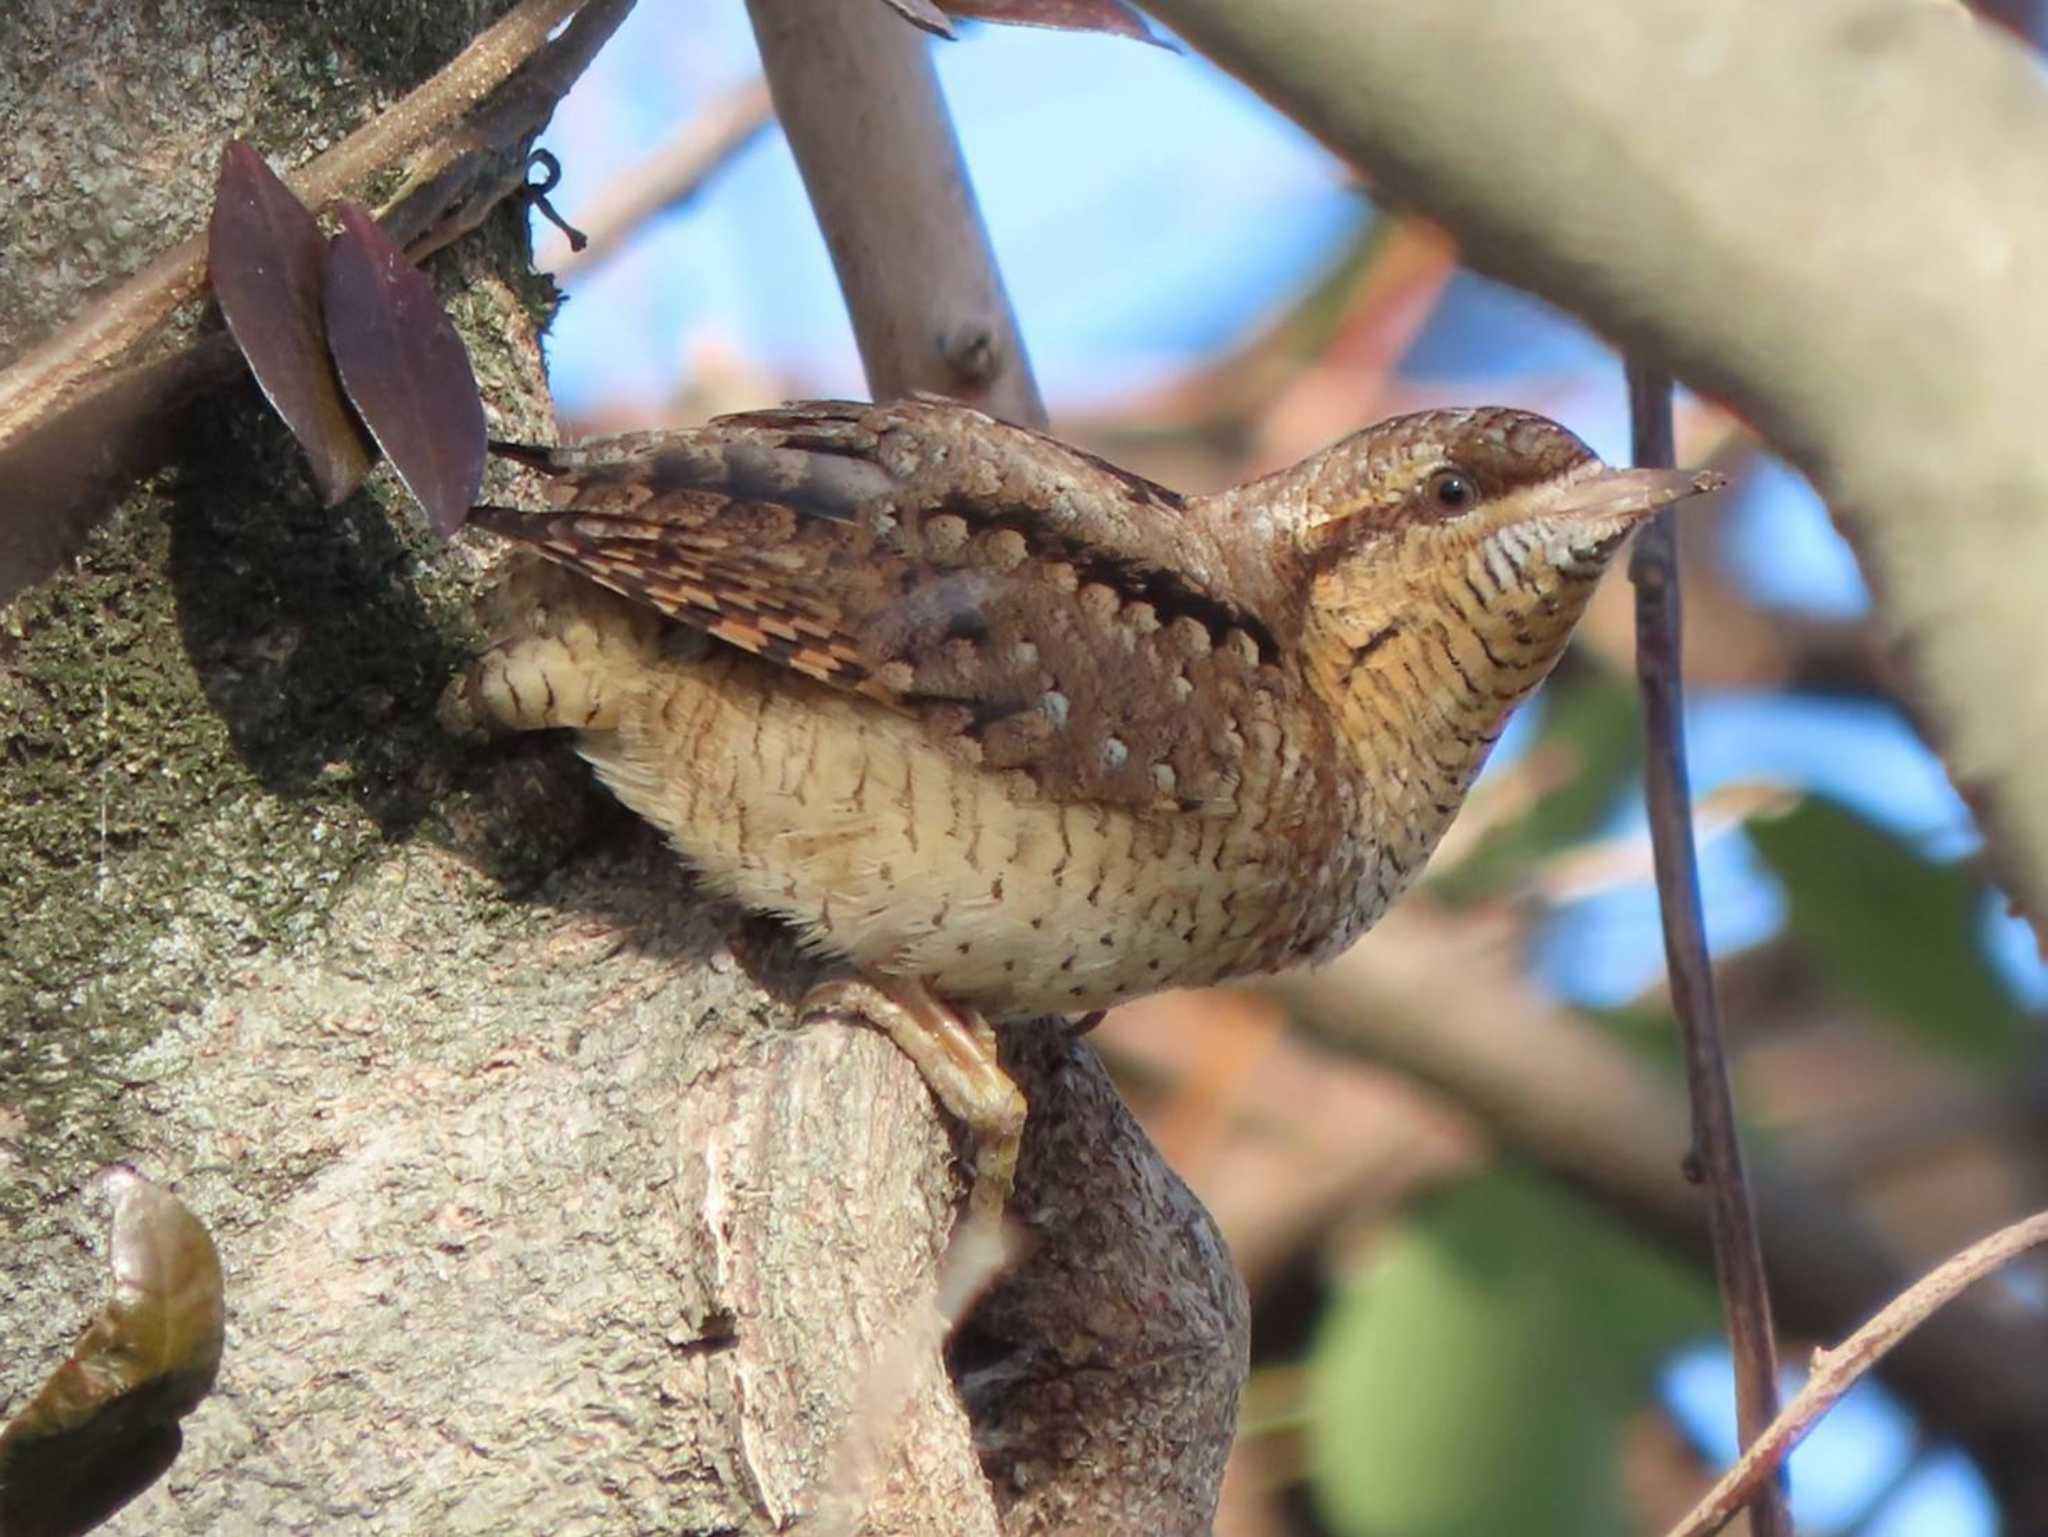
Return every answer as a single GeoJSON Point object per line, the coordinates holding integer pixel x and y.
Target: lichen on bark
{"type": "Point", "coordinates": [215, 714]}
{"type": "Point", "coordinates": [221, 709]}
{"type": "Point", "coordinates": [535, 1215]}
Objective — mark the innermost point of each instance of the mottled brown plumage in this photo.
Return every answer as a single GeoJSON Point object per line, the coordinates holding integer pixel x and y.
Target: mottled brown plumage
{"type": "Point", "coordinates": [943, 564]}
{"type": "Point", "coordinates": [1010, 726]}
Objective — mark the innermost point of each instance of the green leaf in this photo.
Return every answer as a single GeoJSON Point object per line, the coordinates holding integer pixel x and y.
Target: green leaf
{"type": "Point", "coordinates": [1478, 1377]}
{"type": "Point", "coordinates": [1895, 931]}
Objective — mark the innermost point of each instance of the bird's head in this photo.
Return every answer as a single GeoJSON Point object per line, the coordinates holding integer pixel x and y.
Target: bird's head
{"type": "Point", "coordinates": [1472, 537]}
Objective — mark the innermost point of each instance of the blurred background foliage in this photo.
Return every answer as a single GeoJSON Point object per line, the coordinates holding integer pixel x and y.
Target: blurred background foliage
{"type": "Point", "coordinates": [1448, 1339]}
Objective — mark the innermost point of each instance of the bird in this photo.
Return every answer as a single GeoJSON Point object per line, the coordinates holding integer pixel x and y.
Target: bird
{"type": "Point", "coordinates": [1016, 732]}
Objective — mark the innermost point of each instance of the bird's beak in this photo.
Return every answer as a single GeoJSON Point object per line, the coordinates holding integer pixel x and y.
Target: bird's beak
{"type": "Point", "coordinates": [1631, 494]}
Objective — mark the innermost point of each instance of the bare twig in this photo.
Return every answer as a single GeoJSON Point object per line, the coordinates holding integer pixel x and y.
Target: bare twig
{"type": "Point", "coordinates": [1455, 1010]}
{"type": "Point", "coordinates": [1836, 1371]}
{"type": "Point", "coordinates": [1716, 1154]}
{"type": "Point", "coordinates": [671, 175]}
{"type": "Point", "coordinates": [860, 104]}
{"type": "Point", "coordinates": [77, 358]}
{"type": "Point", "coordinates": [80, 418]}
{"type": "Point", "coordinates": [465, 172]}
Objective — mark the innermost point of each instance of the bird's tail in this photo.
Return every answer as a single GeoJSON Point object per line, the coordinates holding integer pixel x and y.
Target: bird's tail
{"type": "Point", "coordinates": [566, 656]}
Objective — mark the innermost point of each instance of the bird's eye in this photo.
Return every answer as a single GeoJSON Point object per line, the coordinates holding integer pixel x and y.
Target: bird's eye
{"type": "Point", "coordinates": [1451, 491]}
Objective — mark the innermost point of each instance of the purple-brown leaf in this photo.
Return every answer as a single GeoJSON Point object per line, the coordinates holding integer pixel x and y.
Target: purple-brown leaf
{"type": "Point", "coordinates": [1113, 16]}
{"type": "Point", "coordinates": [105, 1424]}
{"type": "Point", "coordinates": [922, 14]}
{"type": "Point", "coordinates": [405, 368]}
{"type": "Point", "coordinates": [264, 256]}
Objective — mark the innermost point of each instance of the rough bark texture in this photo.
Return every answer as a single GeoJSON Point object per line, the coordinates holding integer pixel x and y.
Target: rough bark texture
{"type": "Point", "coordinates": [210, 720]}
{"type": "Point", "coordinates": [1823, 213]}
{"type": "Point", "coordinates": [536, 1215]}
{"type": "Point", "coordinates": [1103, 1391]}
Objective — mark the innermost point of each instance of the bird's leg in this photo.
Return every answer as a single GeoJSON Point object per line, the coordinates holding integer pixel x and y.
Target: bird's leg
{"type": "Point", "coordinates": [955, 1050]}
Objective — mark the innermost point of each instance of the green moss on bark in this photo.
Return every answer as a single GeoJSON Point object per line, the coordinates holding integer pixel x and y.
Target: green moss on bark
{"type": "Point", "coordinates": [218, 716]}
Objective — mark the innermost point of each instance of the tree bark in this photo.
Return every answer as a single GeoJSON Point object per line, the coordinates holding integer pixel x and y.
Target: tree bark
{"type": "Point", "coordinates": [536, 1214]}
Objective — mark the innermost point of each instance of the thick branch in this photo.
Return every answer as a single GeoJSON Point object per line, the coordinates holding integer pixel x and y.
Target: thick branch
{"type": "Point", "coordinates": [857, 96]}
{"type": "Point", "coordinates": [1103, 1376]}
{"type": "Point", "coordinates": [1826, 214]}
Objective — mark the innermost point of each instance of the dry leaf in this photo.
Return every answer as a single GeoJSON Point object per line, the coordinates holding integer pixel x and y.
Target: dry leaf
{"type": "Point", "coordinates": [264, 257]}
{"type": "Point", "coordinates": [405, 368]}
{"type": "Point", "coordinates": [105, 1425]}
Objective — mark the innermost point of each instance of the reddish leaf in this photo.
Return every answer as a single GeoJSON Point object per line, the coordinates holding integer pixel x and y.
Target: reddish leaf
{"type": "Point", "coordinates": [405, 368]}
{"type": "Point", "coordinates": [105, 1424]}
{"type": "Point", "coordinates": [1112, 16]}
{"type": "Point", "coordinates": [924, 14]}
{"type": "Point", "coordinates": [264, 255]}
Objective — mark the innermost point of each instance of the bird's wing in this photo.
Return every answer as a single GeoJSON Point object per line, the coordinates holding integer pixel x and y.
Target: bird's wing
{"type": "Point", "coordinates": [1033, 607]}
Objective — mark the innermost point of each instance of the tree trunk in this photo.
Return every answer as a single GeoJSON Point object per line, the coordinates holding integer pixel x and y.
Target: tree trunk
{"type": "Point", "coordinates": [536, 1214]}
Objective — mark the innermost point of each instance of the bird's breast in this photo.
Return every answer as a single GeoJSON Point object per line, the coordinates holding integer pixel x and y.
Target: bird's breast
{"type": "Point", "coordinates": [853, 822]}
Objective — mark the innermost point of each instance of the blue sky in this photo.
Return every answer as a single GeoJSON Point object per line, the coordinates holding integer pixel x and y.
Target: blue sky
{"type": "Point", "coordinates": [1147, 211]}
{"type": "Point", "coordinates": [1129, 252]}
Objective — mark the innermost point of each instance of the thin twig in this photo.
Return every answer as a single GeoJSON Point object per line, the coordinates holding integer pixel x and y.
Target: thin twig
{"type": "Point", "coordinates": [1716, 1155]}
{"type": "Point", "coordinates": [860, 106]}
{"type": "Point", "coordinates": [1554, 1089]}
{"type": "Point", "coordinates": [68, 461]}
{"type": "Point", "coordinates": [671, 175]}
{"type": "Point", "coordinates": [459, 177]}
{"type": "Point", "coordinates": [59, 371]}
{"type": "Point", "coordinates": [1836, 1371]}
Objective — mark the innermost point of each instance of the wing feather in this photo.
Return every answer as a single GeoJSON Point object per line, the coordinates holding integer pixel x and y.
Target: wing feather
{"type": "Point", "coordinates": [1034, 608]}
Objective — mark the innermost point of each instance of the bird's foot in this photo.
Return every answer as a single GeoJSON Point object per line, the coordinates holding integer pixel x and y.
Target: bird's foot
{"type": "Point", "coordinates": [955, 1050]}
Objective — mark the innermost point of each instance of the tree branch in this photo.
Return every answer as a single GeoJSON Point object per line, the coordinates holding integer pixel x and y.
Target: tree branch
{"type": "Point", "coordinates": [1838, 1370]}
{"type": "Point", "coordinates": [1716, 1154]}
{"type": "Point", "coordinates": [81, 418]}
{"type": "Point", "coordinates": [858, 99]}
{"type": "Point", "coordinates": [1103, 1376]}
{"type": "Point", "coordinates": [54, 375]}
{"type": "Point", "coordinates": [1829, 221]}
